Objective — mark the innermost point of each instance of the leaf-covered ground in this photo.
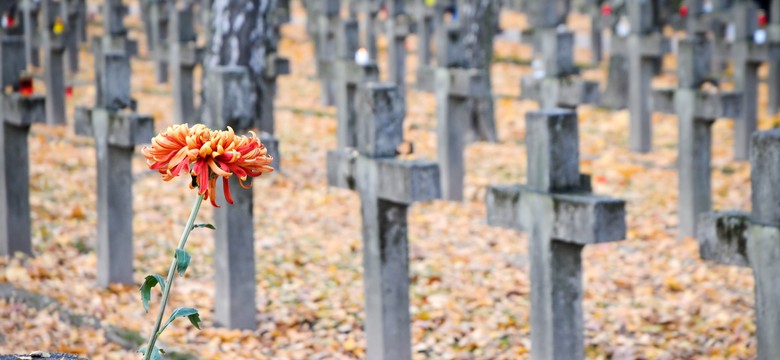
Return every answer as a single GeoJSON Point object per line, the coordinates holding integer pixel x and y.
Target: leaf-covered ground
{"type": "Point", "coordinates": [647, 297]}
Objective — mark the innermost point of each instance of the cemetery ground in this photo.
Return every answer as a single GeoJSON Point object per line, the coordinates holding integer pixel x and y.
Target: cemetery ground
{"type": "Point", "coordinates": [647, 297]}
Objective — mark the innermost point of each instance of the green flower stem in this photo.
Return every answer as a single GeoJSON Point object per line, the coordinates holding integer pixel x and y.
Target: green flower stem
{"type": "Point", "coordinates": [171, 272]}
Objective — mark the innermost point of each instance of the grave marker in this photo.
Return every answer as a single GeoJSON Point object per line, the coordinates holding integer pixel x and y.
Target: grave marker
{"type": "Point", "coordinates": [158, 21]}
{"type": "Point", "coordinates": [558, 85]}
{"type": "Point", "coordinates": [230, 101]}
{"type": "Point", "coordinates": [54, 34]}
{"type": "Point", "coordinates": [555, 83]}
{"type": "Point", "coordinates": [397, 28]}
{"type": "Point", "coordinates": [325, 44]}
{"type": "Point", "coordinates": [348, 77]}
{"type": "Point", "coordinates": [185, 55]}
{"type": "Point", "coordinates": [18, 113]}
{"type": "Point", "coordinates": [387, 187]}
{"type": "Point", "coordinates": [753, 240]}
{"type": "Point", "coordinates": [30, 10]}
{"type": "Point", "coordinates": [454, 87]}
{"type": "Point", "coordinates": [747, 56]}
{"type": "Point", "coordinates": [696, 111]}
{"type": "Point", "coordinates": [646, 48]}
{"type": "Point", "coordinates": [561, 217]}
{"type": "Point", "coordinates": [116, 132]}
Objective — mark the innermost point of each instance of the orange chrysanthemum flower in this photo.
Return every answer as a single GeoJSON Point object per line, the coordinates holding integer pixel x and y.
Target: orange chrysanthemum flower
{"type": "Point", "coordinates": [207, 155]}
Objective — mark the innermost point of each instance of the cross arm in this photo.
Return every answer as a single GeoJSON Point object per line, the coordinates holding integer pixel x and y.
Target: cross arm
{"type": "Point", "coordinates": [577, 218]}
{"type": "Point", "coordinates": [571, 91]}
{"type": "Point", "coordinates": [355, 73]}
{"type": "Point", "coordinates": [396, 180]}
{"type": "Point", "coordinates": [461, 82]}
{"type": "Point", "coordinates": [124, 129]}
{"type": "Point", "coordinates": [723, 237]}
{"type": "Point", "coordinates": [22, 110]}
{"type": "Point", "coordinates": [708, 106]}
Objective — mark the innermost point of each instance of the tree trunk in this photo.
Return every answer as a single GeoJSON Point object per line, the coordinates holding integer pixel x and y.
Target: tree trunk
{"type": "Point", "coordinates": [243, 33]}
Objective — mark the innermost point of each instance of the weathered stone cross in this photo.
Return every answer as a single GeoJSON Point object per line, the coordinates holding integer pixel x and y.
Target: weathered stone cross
{"type": "Point", "coordinates": [747, 56]}
{"type": "Point", "coordinates": [557, 84]}
{"type": "Point", "coordinates": [387, 188]}
{"type": "Point", "coordinates": [696, 111]}
{"type": "Point", "coordinates": [18, 113]}
{"type": "Point", "coordinates": [646, 48]}
{"type": "Point", "coordinates": [54, 34]}
{"type": "Point", "coordinates": [454, 87]}
{"type": "Point", "coordinates": [347, 76]}
{"type": "Point", "coordinates": [184, 56]}
{"type": "Point", "coordinates": [230, 101]}
{"type": "Point", "coordinates": [116, 131]}
{"type": "Point", "coordinates": [753, 240]}
{"type": "Point", "coordinates": [325, 44]}
{"type": "Point", "coordinates": [561, 217]}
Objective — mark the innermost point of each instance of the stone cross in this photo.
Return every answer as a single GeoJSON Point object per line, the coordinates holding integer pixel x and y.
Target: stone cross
{"type": "Point", "coordinates": [325, 44]}
{"type": "Point", "coordinates": [54, 34]}
{"type": "Point", "coordinates": [646, 48]}
{"type": "Point", "coordinates": [114, 31]}
{"type": "Point", "coordinates": [18, 113]}
{"type": "Point", "coordinates": [397, 28]}
{"type": "Point", "coordinates": [230, 101]}
{"type": "Point", "coordinates": [387, 187]}
{"type": "Point", "coordinates": [747, 56]}
{"type": "Point", "coordinates": [753, 240]}
{"type": "Point", "coordinates": [30, 10]}
{"type": "Point", "coordinates": [158, 19]}
{"type": "Point", "coordinates": [368, 26]}
{"type": "Point", "coordinates": [184, 56]}
{"type": "Point", "coordinates": [598, 22]}
{"type": "Point", "coordinates": [696, 111]}
{"type": "Point", "coordinates": [557, 84]}
{"type": "Point", "coordinates": [116, 132]}
{"type": "Point", "coordinates": [425, 24]}
{"type": "Point", "coordinates": [454, 87]}
{"type": "Point", "coordinates": [561, 217]}
{"type": "Point", "coordinates": [773, 80]}
{"type": "Point", "coordinates": [348, 76]}
{"type": "Point", "coordinates": [76, 20]}
{"type": "Point", "coordinates": [275, 66]}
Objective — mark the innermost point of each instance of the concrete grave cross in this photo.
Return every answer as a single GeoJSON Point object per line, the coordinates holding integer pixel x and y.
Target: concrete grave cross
{"type": "Point", "coordinates": [30, 10]}
{"type": "Point", "coordinates": [747, 56]}
{"type": "Point", "coordinates": [54, 33]}
{"type": "Point", "coordinates": [348, 76]}
{"type": "Point", "coordinates": [397, 26]}
{"type": "Point", "coordinates": [387, 187]}
{"type": "Point", "coordinates": [75, 11]}
{"type": "Point", "coordinates": [230, 101]}
{"type": "Point", "coordinates": [753, 240]}
{"type": "Point", "coordinates": [114, 31]}
{"type": "Point", "coordinates": [561, 217]}
{"type": "Point", "coordinates": [158, 21]}
{"type": "Point", "coordinates": [116, 134]}
{"type": "Point", "coordinates": [325, 45]}
{"type": "Point", "coordinates": [275, 67]}
{"type": "Point", "coordinates": [696, 111]}
{"type": "Point", "coordinates": [646, 48]}
{"type": "Point", "coordinates": [773, 80]}
{"type": "Point", "coordinates": [184, 56]}
{"type": "Point", "coordinates": [557, 84]}
{"type": "Point", "coordinates": [18, 113]}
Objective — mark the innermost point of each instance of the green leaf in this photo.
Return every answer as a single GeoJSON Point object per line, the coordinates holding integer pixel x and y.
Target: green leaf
{"type": "Point", "coordinates": [156, 352]}
{"type": "Point", "coordinates": [182, 261]}
{"type": "Point", "coordinates": [190, 313]}
{"type": "Point", "coordinates": [208, 226]}
{"type": "Point", "coordinates": [146, 288]}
